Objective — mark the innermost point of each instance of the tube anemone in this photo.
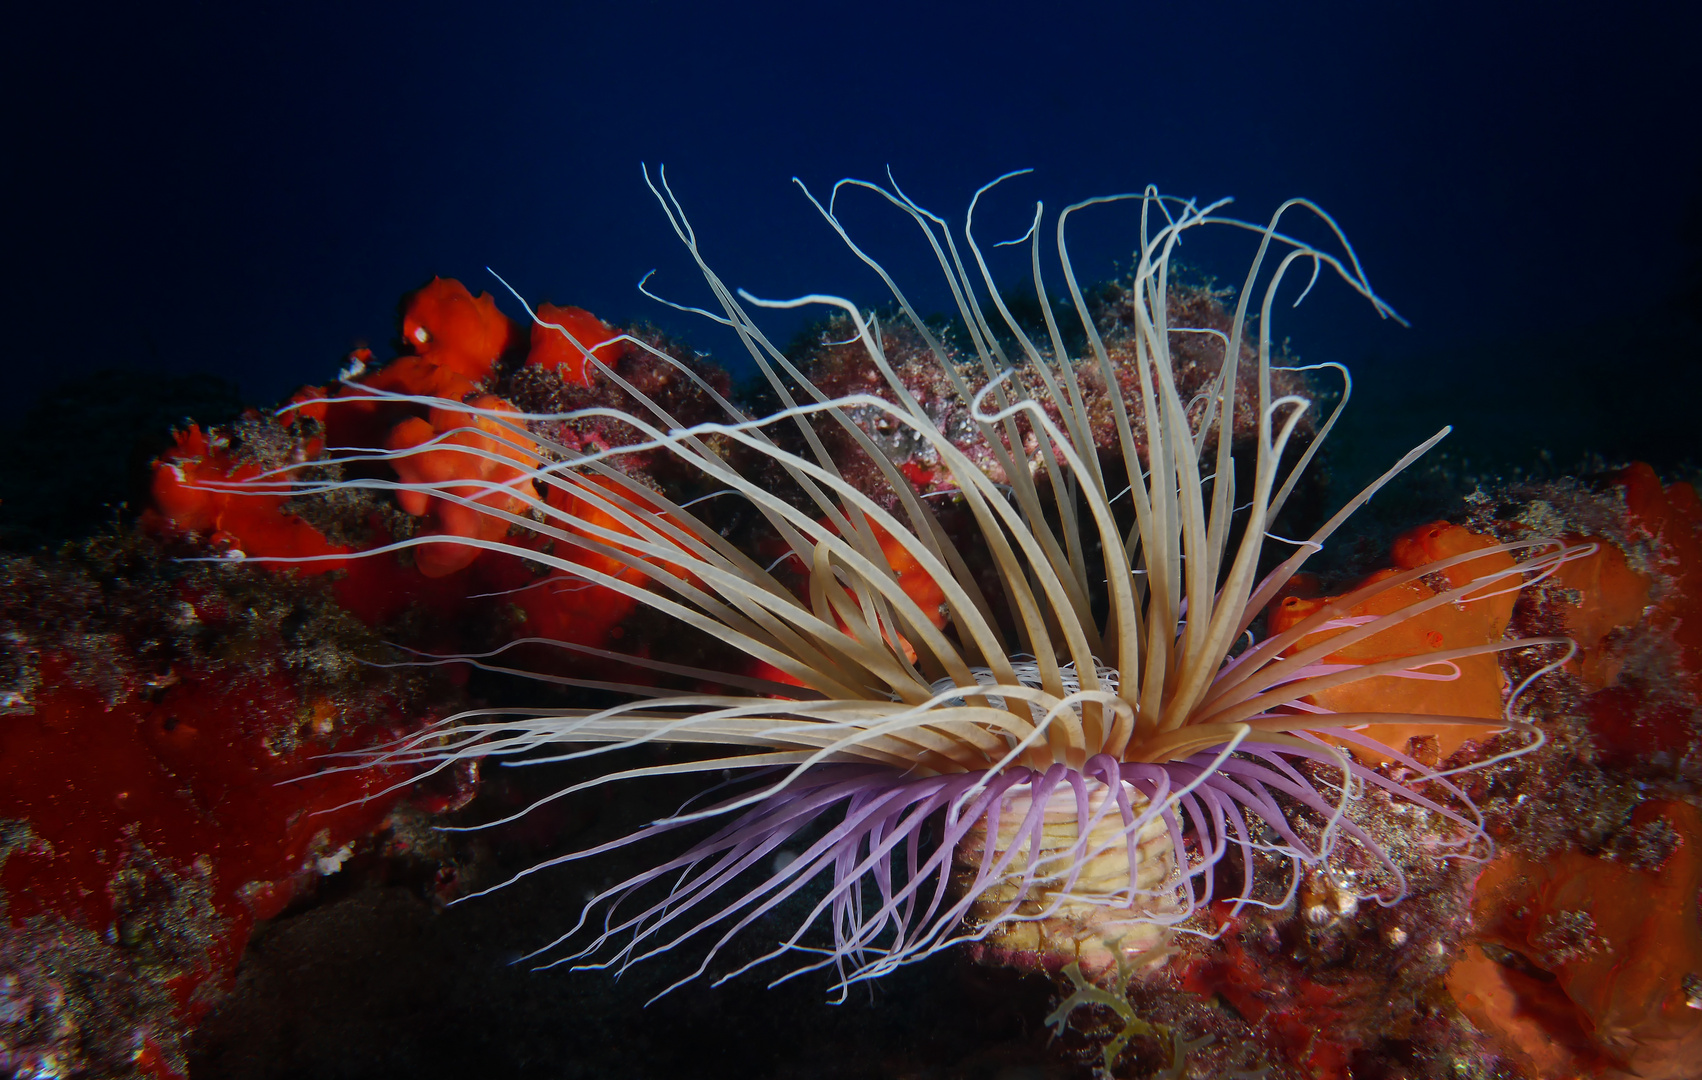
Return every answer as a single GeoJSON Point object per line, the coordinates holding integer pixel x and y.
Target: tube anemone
{"type": "Point", "coordinates": [1009, 768]}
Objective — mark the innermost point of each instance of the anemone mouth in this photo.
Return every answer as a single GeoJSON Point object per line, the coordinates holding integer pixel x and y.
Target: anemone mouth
{"type": "Point", "coordinates": [879, 705]}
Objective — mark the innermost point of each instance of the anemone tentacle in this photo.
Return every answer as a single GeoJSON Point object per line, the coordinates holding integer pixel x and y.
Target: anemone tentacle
{"type": "Point", "coordinates": [1161, 744]}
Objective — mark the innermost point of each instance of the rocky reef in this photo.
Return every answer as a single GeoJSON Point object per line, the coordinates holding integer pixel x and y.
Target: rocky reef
{"type": "Point", "coordinates": [193, 865]}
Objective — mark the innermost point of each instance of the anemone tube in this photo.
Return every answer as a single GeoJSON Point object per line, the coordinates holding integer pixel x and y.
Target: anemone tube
{"type": "Point", "coordinates": [1084, 779]}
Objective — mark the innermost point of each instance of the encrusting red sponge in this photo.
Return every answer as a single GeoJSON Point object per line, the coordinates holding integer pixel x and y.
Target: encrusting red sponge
{"type": "Point", "coordinates": [470, 451]}
{"type": "Point", "coordinates": [447, 326]}
{"type": "Point", "coordinates": [251, 522]}
{"type": "Point", "coordinates": [1481, 620]}
{"type": "Point", "coordinates": [552, 351]}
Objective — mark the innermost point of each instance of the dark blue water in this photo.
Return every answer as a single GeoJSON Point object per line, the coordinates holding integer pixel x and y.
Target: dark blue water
{"type": "Point", "coordinates": [216, 191]}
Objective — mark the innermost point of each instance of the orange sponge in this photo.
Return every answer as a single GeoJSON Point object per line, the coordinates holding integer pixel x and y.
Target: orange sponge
{"type": "Point", "coordinates": [913, 578]}
{"type": "Point", "coordinates": [445, 324]}
{"type": "Point", "coordinates": [1671, 518]}
{"type": "Point", "coordinates": [552, 351]}
{"type": "Point", "coordinates": [252, 522]}
{"type": "Point", "coordinates": [1589, 979]}
{"type": "Point", "coordinates": [1479, 619]}
{"type": "Point", "coordinates": [477, 450]}
{"type": "Point", "coordinates": [1604, 595]}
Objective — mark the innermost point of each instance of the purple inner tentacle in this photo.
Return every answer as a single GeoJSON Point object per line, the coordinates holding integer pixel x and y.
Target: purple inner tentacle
{"type": "Point", "coordinates": [888, 845]}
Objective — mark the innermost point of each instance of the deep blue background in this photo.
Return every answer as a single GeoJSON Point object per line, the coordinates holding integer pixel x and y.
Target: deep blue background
{"type": "Point", "coordinates": [246, 190]}
{"type": "Point", "coordinates": [243, 192]}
